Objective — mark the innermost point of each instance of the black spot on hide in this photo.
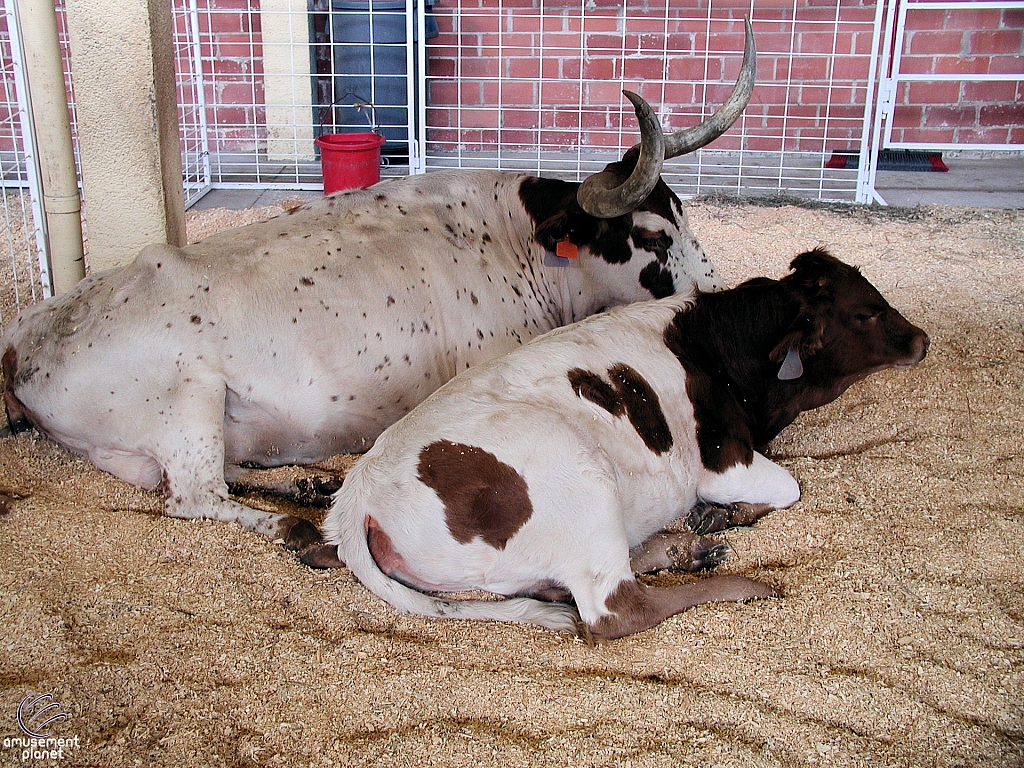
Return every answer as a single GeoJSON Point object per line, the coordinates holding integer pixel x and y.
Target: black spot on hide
{"type": "Point", "coordinates": [658, 280]}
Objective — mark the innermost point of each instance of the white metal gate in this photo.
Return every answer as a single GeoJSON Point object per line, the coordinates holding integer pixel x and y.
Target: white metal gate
{"type": "Point", "coordinates": [483, 94]}
{"type": "Point", "coordinates": [539, 89]}
{"type": "Point", "coordinates": [24, 268]}
{"type": "Point", "coordinates": [192, 112]}
{"type": "Point", "coordinates": [894, 77]}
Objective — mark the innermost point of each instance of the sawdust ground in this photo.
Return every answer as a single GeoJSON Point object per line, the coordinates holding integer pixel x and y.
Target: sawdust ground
{"type": "Point", "coordinates": [899, 642]}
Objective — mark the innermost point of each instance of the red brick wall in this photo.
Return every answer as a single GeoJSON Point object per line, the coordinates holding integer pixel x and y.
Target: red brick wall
{"type": "Point", "coordinates": [561, 75]}
{"type": "Point", "coordinates": [813, 66]}
{"type": "Point", "coordinates": [971, 41]}
{"type": "Point", "coordinates": [565, 72]}
{"type": "Point", "coordinates": [231, 52]}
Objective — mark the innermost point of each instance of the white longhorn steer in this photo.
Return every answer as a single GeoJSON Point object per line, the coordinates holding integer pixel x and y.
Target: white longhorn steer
{"type": "Point", "coordinates": [290, 340]}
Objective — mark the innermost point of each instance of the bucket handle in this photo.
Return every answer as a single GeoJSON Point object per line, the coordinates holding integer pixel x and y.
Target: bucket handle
{"type": "Point", "coordinates": [360, 105]}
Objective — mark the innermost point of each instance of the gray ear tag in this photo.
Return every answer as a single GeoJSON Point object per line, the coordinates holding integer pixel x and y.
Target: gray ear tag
{"type": "Point", "coordinates": [552, 260]}
{"type": "Point", "coordinates": [792, 367]}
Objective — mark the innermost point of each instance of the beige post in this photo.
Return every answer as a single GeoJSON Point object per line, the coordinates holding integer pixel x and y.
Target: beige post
{"type": "Point", "coordinates": [287, 82]}
{"type": "Point", "coordinates": [123, 58]}
{"type": "Point", "coordinates": [62, 206]}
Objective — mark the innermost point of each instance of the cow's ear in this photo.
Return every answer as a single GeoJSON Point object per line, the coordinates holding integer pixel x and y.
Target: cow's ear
{"type": "Point", "coordinates": [579, 229]}
{"type": "Point", "coordinates": [552, 230]}
{"type": "Point", "coordinates": [804, 335]}
{"type": "Point", "coordinates": [815, 274]}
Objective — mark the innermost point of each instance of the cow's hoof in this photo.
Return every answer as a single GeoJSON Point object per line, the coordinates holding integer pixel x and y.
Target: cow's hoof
{"type": "Point", "coordinates": [703, 554]}
{"type": "Point", "coordinates": [321, 556]}
{"type": "Point", "coordinates": [299, 533]}
{"type": "Point", "coordinates": [707, 518]}
{"type": "Point", "coordinates": [711, 518]}
{"type": "Point", "coordinates": [315, 491]}
{"type": "Point", "coordinates": [707, 554]}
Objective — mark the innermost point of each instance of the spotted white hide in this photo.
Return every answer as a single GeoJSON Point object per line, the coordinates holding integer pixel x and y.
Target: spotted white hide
{"type": "Point", "coordinates": [290, 340]}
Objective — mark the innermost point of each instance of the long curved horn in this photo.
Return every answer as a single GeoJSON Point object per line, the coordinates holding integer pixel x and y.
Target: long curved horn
{"type": "Point", "coordinates": [600, 195]}
{"type": "Point", "coordinates": [689, 139]}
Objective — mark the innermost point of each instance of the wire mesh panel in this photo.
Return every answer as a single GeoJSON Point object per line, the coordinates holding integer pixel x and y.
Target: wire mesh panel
{"type": "Point", "coordinates": [276, 74]}
{"type": "Point", "coordinates": [24, 270]}
{"type": "Point", "coordinates": [955, 76]}
{"type": "Point", "coordinates": [537, 85]}
{"type": "Point", "coordinates": [195, 153]}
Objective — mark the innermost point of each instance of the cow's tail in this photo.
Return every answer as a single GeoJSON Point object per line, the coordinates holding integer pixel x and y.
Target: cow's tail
{"type": "Point", "coordinates": [349, 533]}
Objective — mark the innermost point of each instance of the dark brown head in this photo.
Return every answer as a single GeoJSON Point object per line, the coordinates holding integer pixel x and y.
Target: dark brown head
{"type": "Point", "coordinates": [758, 355]}
{"type": "Point", "coordinates": [843, 331]}
{"type": "Point", "coordinates": [846, 329]}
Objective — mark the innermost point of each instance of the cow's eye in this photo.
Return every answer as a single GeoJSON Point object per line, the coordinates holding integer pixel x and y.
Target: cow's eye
{"type": "Point", "coordinates": [865, 317]}
{"type": "Point", "coordinates": [651, 241]}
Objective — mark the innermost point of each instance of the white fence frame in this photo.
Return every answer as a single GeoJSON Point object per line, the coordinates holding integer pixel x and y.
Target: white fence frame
{"type": "Point", "coordinates": [194, 129]}
{"type": "Point", "coordinates": [743, 171]}
{"type": "Point", "coordinates": [890, 58]}
{"type": "Point", "coordinates": [737, 172]}
{"type": "Point", "coordinates": [31, 222]}
{"type": "Point", "coordinates": [895, 42]}
{"type": "Point", "coordinates": [796, 172]}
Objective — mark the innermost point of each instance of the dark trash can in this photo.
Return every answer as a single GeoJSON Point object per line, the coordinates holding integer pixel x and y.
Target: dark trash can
{"type": "Point", "coordinates": [375, 74]}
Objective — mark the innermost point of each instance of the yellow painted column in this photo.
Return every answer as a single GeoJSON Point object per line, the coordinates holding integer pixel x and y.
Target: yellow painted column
{"type": "Point", "coordinates": [122, 55]}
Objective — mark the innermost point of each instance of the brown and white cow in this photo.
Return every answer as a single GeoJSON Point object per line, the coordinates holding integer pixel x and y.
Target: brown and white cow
{"type": "Point", "coordinates": [549, 472]}
{"type": "Point", "coordinates": [290, 340]}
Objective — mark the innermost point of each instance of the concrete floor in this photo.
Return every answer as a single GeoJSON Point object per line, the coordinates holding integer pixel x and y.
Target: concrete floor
{"type": "Point", "coordinates": [989, 182]}
{"type": "Point", "coordinates": [982, 182]}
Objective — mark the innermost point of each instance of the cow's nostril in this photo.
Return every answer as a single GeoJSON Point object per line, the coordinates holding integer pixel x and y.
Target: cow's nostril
{"type": "Point", "coordinates": [923, 342]}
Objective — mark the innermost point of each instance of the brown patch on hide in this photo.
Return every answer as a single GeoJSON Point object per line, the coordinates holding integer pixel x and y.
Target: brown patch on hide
{"type": "Point", "coordinates": [482, 496]}
{"type": "Point", "coordinates": [723, 433]}
{"type": "Point", "coordinates": [642, 407]}
{"type": "Point", "coordinates": [628, 393]}
{"type": "Point", "coordinates": [658, 280]}
{"type": "Point", "coordinates": [592, 387]}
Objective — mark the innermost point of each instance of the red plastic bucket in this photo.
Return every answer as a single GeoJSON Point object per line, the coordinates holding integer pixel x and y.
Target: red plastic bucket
{"type": "Point", "coordinates": [349, 160]}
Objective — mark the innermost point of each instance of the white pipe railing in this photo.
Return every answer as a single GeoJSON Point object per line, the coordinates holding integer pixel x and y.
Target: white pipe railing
{"type": "Point", "coordinates": [51, 126]}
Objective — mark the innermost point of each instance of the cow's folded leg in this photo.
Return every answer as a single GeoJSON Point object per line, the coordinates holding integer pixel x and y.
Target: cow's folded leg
{"type": "Point", "coordinates": [302, 486]}
{"type": "Point", "coordinates": [296, 532]}
{"type": "Point", "coordinates": [682, 551]}
{"type": "Point", "coordinates": [194, 487]}
{"type": "Point", "coordinates": [707, 518]}
{"type": "Point", "coordinates": [634, 607]}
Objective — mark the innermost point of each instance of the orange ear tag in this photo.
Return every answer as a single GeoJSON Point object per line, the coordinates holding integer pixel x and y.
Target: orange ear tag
{"type": "Point", "coordinates": [565, 249]}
